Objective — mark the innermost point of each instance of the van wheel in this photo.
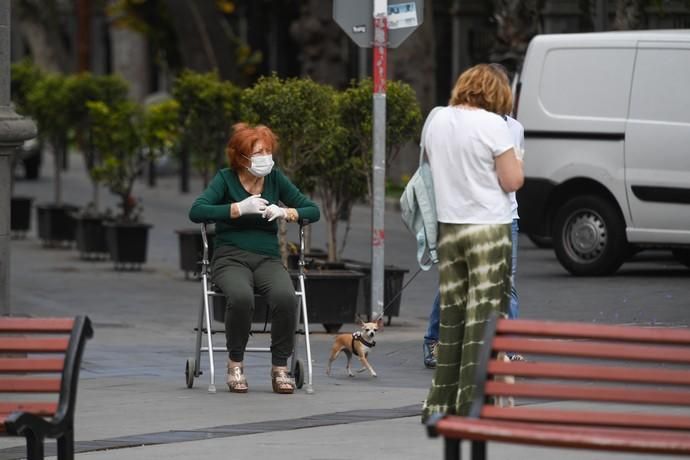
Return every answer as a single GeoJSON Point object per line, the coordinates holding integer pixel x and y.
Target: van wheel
{"type": "Point", "coordinates": [589, 236]}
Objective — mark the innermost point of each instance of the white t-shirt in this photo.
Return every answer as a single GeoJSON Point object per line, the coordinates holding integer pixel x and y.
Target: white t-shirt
{"type": "Point", "coordinates": [518, 132]}
{"type": "Point", "coordinates": [462, 145]}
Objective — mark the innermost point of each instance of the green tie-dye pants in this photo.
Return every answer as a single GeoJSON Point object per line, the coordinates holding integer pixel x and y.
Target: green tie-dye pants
{"type": "Point", "coordinates": [474, 272]}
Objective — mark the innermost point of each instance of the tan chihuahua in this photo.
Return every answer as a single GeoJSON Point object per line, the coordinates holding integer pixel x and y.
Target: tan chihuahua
{"type": "Point", "coordinates": [504, 401]}
{"type": "Point", "coordinates": [359, 343]}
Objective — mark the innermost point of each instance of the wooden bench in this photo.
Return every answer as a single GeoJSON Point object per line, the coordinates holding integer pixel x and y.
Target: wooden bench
{"type": "Point", "coordinates": [600, 387]}
{"type": "Point", "coordinates": [31, 349]}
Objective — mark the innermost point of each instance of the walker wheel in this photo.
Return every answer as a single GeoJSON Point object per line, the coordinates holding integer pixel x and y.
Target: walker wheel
{"type": "Point", "coordinates": [298, 374]}
{"type": "Point", "coordinates": [189, 372]}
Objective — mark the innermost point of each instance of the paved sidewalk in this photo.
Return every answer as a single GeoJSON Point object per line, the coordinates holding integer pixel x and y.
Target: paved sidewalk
{"type": "Point", "coordinates": [133, 402]}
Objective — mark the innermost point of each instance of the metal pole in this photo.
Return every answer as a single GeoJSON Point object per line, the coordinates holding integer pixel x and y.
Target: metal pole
{"type": "Point", "coordinates": [13, 131]}
{"type": "Point", "coordinates": [379, 159]}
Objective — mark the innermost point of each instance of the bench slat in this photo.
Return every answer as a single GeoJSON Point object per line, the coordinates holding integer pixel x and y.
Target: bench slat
{"type": "Point", "coordinates": [589, 393]}
{"type": "Point", "coordinates": [35, 407]}
{"type": "Point", "coordinates": [29, 385]}
{"type": "Point", "coordinates": [33, 345]}
{"type": "Point", "coordinates": [668, 354]}
{"type": "Point", "coordinates": [37, 325]}
{"type": "Point", "coordinates": [598, 439]}
{"type": "Point", "coordinates": [587, 372]}
{"type": "Point", "coordinates": [10, 365]}
{"type": "Point", "coordinates": [579, 417]}
{"type": "Point", "coordinates": [595, 331]}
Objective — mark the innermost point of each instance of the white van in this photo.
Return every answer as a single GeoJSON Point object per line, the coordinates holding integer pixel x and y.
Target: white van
{"type": "Point", "coordinates": [607, 145]}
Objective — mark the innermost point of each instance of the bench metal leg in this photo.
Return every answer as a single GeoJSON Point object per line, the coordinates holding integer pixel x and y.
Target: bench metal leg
{"type": "Point", "coordinates": [65, 446]}
{"type": "Point", "coordinates": [34, 446]}
{"type": "Point", "coordinates": [452, 448]}
{"type": "Point", "coordinates": [478, 450]}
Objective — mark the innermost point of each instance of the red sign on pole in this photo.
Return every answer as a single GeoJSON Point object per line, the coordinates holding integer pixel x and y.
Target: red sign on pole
{"type": "Point", "coordinates": [380, 52]}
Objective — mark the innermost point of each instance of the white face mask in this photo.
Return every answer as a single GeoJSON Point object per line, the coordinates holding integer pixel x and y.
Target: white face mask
{"type": "Point", "coordinates": [261, 165]}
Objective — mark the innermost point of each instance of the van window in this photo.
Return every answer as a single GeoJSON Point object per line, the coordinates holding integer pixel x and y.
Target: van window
{"type": "Point", "coordinates": [660, 85]}
{"type": "Point", "coordinates": [587, 82]}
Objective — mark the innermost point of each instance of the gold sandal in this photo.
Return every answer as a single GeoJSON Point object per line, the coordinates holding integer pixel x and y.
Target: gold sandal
{"type": "Point", "coordinates": [236, 381]}
{"type": "Point", "coordinates": [281, 381]}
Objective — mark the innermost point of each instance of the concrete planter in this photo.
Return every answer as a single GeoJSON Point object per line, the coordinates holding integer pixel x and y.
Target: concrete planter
{"type": "Point", "coordinates": [56, 224]}
{"type": "Point", "coordinates": [127, 243]}
{"type": "Point", "coordinates": [20, 215]}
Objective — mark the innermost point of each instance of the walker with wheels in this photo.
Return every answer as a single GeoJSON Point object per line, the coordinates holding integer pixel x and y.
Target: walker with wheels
{"type": "Point", "coordinates": [203, 327]}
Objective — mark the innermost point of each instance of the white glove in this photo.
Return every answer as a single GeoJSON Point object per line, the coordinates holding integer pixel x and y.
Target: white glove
{"type": "Point", "coordinates": [274, 212]}
{"type": "Point", "coordinates": [252, 205]}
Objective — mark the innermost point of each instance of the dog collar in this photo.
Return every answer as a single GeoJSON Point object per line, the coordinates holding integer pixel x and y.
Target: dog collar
{"type": "Point", "coordinates": [357, 336]}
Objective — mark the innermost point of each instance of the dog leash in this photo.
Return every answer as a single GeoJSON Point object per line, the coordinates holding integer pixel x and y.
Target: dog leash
{"type": "Point", "coordinates": [401, 291]}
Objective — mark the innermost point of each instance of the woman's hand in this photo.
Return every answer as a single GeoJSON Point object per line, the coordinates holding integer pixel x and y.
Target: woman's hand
{"type": "Point", "coordinates": [274, 212]}
{"type": "Point", "coordinates": [252, 205]}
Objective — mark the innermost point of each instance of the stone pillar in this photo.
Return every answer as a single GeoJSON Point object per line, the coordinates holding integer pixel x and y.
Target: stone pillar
{"type": "Point", "coordinates": [14, 130]}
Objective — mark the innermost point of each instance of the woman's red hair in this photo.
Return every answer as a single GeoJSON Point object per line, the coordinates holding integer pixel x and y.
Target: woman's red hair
{"type": "Point", "coordinates": [242, 141]}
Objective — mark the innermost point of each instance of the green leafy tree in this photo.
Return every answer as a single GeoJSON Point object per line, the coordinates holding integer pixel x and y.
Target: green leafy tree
{"type": "Point", "coordinates": [117, 134]}
{"type": "Point", "coordinates": [51, 102]}
{"type": "Point", "coordinates": [160, 127]}
{"type": "Point", "coordinates": [208, 107]}
{"type": "Point", "coordinates": [25, 76]}
{"type": "Point", "coordinates": [403, 121]}
{"type": "Point", "coordinates": [340, 181]}
{"type": "Point", "coordinates": [86, 87]}
{"type": "Point", "coordinates": [302, 113]}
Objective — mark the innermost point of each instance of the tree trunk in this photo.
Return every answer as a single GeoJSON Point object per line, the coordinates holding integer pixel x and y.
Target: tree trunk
{"type": "Point", "coordinates": [83, 35]}
{"type": "Point", "coordinates": [58, 153]}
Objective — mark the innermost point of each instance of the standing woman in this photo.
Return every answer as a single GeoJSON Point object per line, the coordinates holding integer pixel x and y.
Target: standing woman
{"type": "Point", "coordinates": [474, 167]}
{"type": "Point", "coordinates": [244, 202]}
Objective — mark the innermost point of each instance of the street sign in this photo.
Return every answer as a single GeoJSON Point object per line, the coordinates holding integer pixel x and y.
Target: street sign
{"type": "Point", "coordinates": [355, 17]}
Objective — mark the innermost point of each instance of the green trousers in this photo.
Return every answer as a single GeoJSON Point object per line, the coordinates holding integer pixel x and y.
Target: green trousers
{"type": "Point", "coordinates": [240, 274]}
{"type": "Point", "coordinates": [474, 273]}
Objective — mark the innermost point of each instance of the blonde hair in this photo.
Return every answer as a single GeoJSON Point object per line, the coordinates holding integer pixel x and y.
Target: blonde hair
{"type": "Point", "coordinates": [483, 86]}
{"type": "Point", "coordinates": [242, 141]}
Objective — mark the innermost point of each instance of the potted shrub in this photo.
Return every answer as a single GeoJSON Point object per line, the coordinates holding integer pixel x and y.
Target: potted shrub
{"type": "Point", "coordinates": [403, 122]}
{"type": "Point", "coordinates": [117, 134]}
{"type": "Point", "coordinates": [20, 215]}
{"type": "Point", "coordinates": [207, 109]}
{"type": "Point", "coordinates": [303, 115]}
{"type": "Point", "coordinates": [90, 232]}
{"type": "Point", "coordinates": [89, 221]}
{"type": "Point", "coordinates": [50, 102]}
